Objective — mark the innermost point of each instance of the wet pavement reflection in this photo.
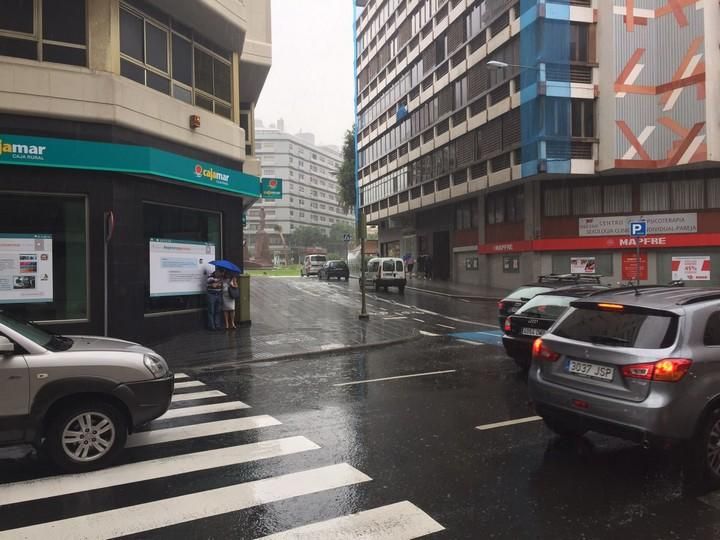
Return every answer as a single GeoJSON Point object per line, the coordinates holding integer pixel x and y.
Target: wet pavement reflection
{"type": "Point", "coordinates": [403, 431]}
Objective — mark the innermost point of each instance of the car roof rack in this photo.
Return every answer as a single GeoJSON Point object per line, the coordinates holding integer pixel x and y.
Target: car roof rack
{"type": "Point", "coordinates": [571, 278]}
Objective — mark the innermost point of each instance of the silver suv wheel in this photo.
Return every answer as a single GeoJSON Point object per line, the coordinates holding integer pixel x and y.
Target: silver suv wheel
{"type": "Point", "coordinates": [88, 437]}
{"type": "Point", "coordinates": [713, 449]}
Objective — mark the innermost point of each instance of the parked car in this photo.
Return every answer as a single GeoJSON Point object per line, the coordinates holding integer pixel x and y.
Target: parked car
{"type": "Point", "coordinates": [641, 364]}
{"type": "Point", "coordinates": [386, 272]}
{"type": "Point", "coordinates": [334, 269]}
{"type": "Point", "coordinates": [515, 300]}
{"type": "Point", "coordinates": [76, 396]}
{"type": "Point", "coordinates": [534, 318]}
{"type": "Point", "coordinates": [312, 265]}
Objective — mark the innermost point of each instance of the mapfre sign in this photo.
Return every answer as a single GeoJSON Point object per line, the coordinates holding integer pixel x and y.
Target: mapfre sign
{"type": "Point", "coordinates": [656, 224]}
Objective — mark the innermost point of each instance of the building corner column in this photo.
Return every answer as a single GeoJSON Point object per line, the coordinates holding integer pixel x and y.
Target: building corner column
{"type": "Point", "coordinates": [104, 35]}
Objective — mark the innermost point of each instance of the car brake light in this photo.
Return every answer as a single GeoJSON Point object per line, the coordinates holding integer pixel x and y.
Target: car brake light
{"type": "Point", "coordinates": [615, 307]}
{"type": "Point", "coordinates": [542, 352]}
{"type": "Point", "coordinates": [501, 305]}
{"type": "Point", "coordinates": [508, 325]}
{"type": "Point", "coordinates": [667, 370]}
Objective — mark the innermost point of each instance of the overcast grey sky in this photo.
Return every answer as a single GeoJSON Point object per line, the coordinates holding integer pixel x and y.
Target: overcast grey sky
{"type": "Point", "coordinates": [310, 84]}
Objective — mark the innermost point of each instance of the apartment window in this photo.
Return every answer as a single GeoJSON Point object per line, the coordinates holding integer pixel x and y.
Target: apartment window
{"type": "Point", "coordinates": [688, 195]}
{"type": "Point", "coordinates": [557, 202]}
{"type": "Point", "coordinates": [617, 198]}
{"type": "Point", "coordinates": [654, 196]}
{"type": "Point", "coordinates": [579, 42]}
{"type": "Point", "coordinates": [61, 38]}
{"type": "Point", "coordinates": [587, 200]}
{"type": "Point", "coordinates": [583, 118]}
{"type": "Point", "coordinates": [466, 215]}
{"type": "Point", "coordinates": [171, 61]}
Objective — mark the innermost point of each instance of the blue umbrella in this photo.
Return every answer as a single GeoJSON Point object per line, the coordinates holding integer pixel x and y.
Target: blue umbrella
{"type": "Point", "coordinates": [226, 265]}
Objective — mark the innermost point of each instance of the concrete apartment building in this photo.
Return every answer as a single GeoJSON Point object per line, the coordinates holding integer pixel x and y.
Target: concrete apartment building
{"type": "Point", "coordinates": [511, 138]}
{"type": "Point", "coordinates": [310, 188]}
{"type": "Point", "coordinates": [127, 153]}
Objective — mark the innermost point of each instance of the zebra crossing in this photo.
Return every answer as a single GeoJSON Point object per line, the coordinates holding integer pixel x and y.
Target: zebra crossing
{"type": "Point", "coordinates": [399, 520]}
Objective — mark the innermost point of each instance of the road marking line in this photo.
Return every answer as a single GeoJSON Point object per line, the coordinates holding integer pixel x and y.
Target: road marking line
{"type": "Point", "coordinates": [509, 423]}
{"type": "Point", "coordinates": [418, 320]}
{"type": "Point", "coordinates": [446, 326]}
{"type": "Point", "coordinates": [181, 376]}
{"type": "Point", "coordinates": [195, 431]}
{"type": "Point", "coordinates": [468, 342]}
{"type": "Point", "coordinates": [204, 409]}
{"type": "Point", "coordinates": [398, 377]}
{"type": "Point", "coordinates": [399, 521]}
{"type": "Point", "coordinates": [163, 513]}
{"type": "Point", "coordinates": [465, 300]}
{"type": "Point", "coordinates": [197, 395]}
{"type": "Point", "coordinates": [56, 486]}
{"type": "Point", "coordinates": [189, 384]}
{"type": "Point", "coordinates": [424, 333]}
{"type": "Point", "coordinates": [394, 318]}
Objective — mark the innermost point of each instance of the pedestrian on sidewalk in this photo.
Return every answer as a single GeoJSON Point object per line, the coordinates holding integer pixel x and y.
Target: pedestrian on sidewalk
{"type": "Point", "coordinates": [410, 264]}
{"type": "Point", "coordinates": [228, 301]}
{"type": "Point", "coordinates": [428, 267]}
{"type": "Point", "coordinates": [214, 289]}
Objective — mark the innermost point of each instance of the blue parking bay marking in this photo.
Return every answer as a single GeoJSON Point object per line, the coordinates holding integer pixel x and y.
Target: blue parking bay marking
{"type": "Point", "coordinates": [492, 337]}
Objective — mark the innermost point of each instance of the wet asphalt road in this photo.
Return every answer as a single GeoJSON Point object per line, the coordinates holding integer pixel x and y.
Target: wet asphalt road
{"type": "Point", "coordinates": [318, 439]}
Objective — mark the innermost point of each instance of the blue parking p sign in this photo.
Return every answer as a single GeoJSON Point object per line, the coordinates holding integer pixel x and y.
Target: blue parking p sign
{"type": "Point", "coordinates": [638, 228]}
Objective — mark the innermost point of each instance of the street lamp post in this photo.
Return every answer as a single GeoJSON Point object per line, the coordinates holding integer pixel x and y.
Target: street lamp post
{"type": "Point", "coordinates": [359, 218]}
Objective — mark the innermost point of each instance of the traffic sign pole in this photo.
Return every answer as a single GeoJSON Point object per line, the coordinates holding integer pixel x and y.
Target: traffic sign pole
{"type": "Point", "coordinates": [638, 229]}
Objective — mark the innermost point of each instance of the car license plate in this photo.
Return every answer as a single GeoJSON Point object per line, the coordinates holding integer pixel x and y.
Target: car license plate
{"type": "Point", "coordinates": [583, 369]}
{"type": "Point", "coordinates": [532, 331]}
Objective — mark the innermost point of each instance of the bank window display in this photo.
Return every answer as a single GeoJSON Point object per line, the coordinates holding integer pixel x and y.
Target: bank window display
{"type": "Point", "coordinates": [511, 264]}
{"type": "Point", "coordinates": [180, 243]}
{"type": "Point", "coordinates": [43, 257]}
{"type": "Point", "coordinates": [45, 30]}
{"type": "Point", "coordinates": [163, 54]}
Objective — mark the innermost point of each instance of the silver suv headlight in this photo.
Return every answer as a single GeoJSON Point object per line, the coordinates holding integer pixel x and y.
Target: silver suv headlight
{"type": "Point", "coordinates": [156, 365]}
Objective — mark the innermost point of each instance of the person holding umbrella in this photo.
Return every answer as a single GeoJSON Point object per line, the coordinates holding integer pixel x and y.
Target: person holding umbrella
{"type": "Point", "coordinates": [229, 291]}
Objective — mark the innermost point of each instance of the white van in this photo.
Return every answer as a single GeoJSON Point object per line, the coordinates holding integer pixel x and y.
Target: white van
{"type": "Point", "coordinates": [386, 272]}
{"type": "Point", "coordinates": [312, 264]}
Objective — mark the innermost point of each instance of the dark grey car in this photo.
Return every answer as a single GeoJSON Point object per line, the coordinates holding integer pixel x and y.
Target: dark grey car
{"type": "Point", "coordinates": [643, 365]}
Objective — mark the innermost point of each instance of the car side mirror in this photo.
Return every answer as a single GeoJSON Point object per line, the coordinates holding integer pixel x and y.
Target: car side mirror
{"type": "Point", "coordinates": [6, 346]}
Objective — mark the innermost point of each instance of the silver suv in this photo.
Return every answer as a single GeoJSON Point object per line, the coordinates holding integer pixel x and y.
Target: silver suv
{"type": "Point", "coordinates": [76, 397]}
{"type": "Point", "coordinates": [642, 364]}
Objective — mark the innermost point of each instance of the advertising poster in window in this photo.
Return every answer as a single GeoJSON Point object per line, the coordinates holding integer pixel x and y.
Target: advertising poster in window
{"type": "Point", "coordinates": [691, 268]}
{"type": "Point", "coordinates": [26, 265]}
{"type": "Point", "coordinates": [630, 266]}
{"type": "Point", "coordinates": [179, 267]}
{"type": "Point", "coordinates": [582, 265]}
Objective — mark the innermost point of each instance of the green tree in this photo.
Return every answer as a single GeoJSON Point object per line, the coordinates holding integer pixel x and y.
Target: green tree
{"type": "Point", "coordinates": [346, 172]}
{"type": "Point", "coordinates": [306, 237]}
{"type": "Point", "coordinates": [339, 230]}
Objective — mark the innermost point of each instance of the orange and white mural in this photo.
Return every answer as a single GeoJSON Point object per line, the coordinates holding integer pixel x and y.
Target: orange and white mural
{"type": "Point", "coordinates": [660, 83]}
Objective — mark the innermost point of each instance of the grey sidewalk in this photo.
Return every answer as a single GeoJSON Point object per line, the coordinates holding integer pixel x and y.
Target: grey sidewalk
{"type": "Point", "coordinates": [290, 317]}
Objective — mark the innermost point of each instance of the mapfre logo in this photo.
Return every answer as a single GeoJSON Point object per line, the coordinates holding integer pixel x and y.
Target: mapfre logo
{"type": "Point", "coordinates": [212, 175]}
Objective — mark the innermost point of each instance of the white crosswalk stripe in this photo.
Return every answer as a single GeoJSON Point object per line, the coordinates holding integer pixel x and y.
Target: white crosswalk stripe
{"type": "Point", "coordinates": [195, 431]}
{"type": "Point", "coordinates": [189, 384]}
{"type": "Point", "coordinates": [147, 470]}
{"type": "Point", "coordinates": [197, 395]}
{"type": "Point", "coordinates": [399, 521]}
{"type": "Point", "coordinates": [166, 512]}
{"type": "Point", "coordinates": [181, 376]}
{"type": "Point", "coordinates": [183, 412]}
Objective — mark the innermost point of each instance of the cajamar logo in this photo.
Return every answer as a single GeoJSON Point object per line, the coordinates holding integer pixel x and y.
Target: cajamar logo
{"type": "Point", "coordinates": [210, 174]}
{"type": "Point", "coordinates": [22, 151]}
